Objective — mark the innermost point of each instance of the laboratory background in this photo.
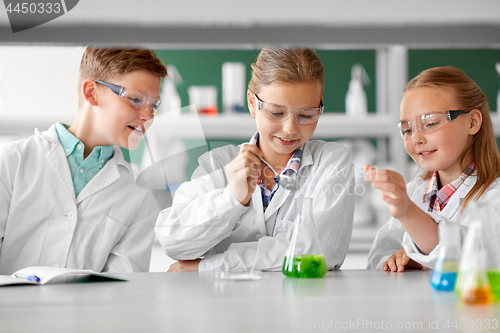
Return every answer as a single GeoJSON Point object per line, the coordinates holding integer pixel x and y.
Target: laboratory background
{"type": "Point", "coordinates": [370, 49]}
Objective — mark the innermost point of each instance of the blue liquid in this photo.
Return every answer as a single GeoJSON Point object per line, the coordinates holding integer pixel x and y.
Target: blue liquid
{"type": "Point", "coordinates": [444, 281]}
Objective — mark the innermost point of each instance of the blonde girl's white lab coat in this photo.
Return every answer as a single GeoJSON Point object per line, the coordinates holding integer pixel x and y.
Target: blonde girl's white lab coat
{"type": "Point", "coordinates": [392, 236]}
{"type": "Point", "coordinates": [108, 227]}
{"type": "Point", "coordinates": [205, 220]}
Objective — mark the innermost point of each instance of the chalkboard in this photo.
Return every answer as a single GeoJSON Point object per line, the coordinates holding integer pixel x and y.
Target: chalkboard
{"type": "Point", "coordinates": [478, 64]}
{"type": "Point", "coordinates": [204, 67]}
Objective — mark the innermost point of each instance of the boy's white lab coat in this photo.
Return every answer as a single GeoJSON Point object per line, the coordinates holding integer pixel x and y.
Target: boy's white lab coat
{"type": "Point", "coordinates": [206, 220]}
{"type": "Point", "coordinates": [392, 236]}
{"type": "Point", "coordinates": [108, 227]}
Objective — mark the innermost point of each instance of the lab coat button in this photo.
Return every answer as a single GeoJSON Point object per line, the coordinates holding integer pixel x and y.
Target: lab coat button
{"type": "Point", "coordinates": [81, 170]}
{"type": "Point", "coordinates": [258, 236]}
{"type": "Point", "coordinates": [78, 146]}
{"type": "Point", "coordinates": [71, 216]}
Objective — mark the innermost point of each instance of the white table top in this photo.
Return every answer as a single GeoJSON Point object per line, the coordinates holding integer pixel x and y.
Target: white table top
{"type": "Point", "coordinates": [349, 300]}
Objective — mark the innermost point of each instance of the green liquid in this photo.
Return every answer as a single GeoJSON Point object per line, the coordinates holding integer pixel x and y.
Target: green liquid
{"type": "Point", "coordinates": [306, 266]}
{"type": "Point", "coordinates": [494, 278]}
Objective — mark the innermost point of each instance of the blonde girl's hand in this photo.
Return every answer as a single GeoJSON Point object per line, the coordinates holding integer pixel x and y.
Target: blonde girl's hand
{"type": "Point", "coordinates": [399, 261]}
{"type": "Point", "coordinates": [393, 189]}
{"type": "Point", "coordinates": [243, 172]}
{"type": "Point", "coordinates": [185, 266]}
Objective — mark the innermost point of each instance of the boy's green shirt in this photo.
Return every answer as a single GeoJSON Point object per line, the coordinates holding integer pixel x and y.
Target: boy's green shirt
{"type": "Point", "coordinates": [82, 169]}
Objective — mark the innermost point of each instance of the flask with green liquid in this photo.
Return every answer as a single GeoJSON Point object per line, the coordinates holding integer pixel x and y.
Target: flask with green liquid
{"type": "Point", "coordinates": [304, 258]}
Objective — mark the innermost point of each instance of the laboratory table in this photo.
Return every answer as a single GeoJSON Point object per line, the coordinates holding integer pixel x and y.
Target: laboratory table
{"type": "Point", "coordinates": [348, 300]}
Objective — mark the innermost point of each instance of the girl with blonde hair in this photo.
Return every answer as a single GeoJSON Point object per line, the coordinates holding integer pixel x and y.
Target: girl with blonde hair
{"type": "Point", "coordinates": [447, 130]}
{"type": "Point", "coordinates": [233, 212]}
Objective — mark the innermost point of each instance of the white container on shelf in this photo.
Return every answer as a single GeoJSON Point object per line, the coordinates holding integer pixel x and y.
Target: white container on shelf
{"type": "Point", "coordinates": [233, 87]}
{"type": "Point", "coordinates": [203, 100]}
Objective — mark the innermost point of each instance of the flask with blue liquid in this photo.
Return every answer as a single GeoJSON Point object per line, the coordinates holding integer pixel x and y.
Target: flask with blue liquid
{"type": "Point", "coordinates": [447, 264]}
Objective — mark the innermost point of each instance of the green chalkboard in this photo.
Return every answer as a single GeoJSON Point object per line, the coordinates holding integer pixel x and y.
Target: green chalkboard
{"type": "Point", "coordinates": [204, 67]}
{"type": "Point", "coordinates": [478, 64]}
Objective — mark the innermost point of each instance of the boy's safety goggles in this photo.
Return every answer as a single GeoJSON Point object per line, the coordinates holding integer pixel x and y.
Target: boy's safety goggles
{"type": "Point", "coordinates": [280, 113]}
{"type": "Point", "coordinates": [427, 123]}
{"type": "Point", "coordinates": [134, 98]}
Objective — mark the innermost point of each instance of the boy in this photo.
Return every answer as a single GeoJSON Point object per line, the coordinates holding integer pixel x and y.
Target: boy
{"type": "Point", "coordinates": [67, 196]}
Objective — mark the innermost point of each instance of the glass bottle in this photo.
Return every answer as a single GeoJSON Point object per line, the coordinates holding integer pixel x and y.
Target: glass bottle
{"type": "Point", "coordinates": [445, 270]}
{"type": "Point", "coordinates": [304, 258]}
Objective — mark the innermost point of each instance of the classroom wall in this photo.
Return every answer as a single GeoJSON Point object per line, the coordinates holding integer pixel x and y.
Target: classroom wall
{"type": "Point", "coordinates": [39, 83]}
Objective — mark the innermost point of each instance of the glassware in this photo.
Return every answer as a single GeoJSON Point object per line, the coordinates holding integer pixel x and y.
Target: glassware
{"type": "Point", "coordinates": [305, 258]}
{"type": "Point", "coordinates": [473, 286]}
{"type": "Point", "coordinates": [445, 270]}
{"type": "Point", "coordinates": [488, 230]}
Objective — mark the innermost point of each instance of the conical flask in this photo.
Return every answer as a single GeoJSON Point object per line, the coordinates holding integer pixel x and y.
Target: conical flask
{"type": "Point", "coordinates": [447, 264]}
{"type": "Point", "coordinates": [304, 258]}
{"type": "Point", "coordinates": [489, 234]}
{"type": "Point", "coordinates": [473, 286]}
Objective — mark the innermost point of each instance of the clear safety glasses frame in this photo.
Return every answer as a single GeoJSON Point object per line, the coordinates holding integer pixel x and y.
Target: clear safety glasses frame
{"type": "Point", "coordinates": [278, 113]}
{"type": "Point", "coordinates": [134, 98]}
{"type": "Point", "coordinates": [427, 123]}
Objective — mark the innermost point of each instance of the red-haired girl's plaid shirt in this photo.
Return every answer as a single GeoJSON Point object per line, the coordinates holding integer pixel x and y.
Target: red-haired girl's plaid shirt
{"type": "Point", "coordinates": [439, 198]}
{"type": "Point", "coordinates": [293, 164]}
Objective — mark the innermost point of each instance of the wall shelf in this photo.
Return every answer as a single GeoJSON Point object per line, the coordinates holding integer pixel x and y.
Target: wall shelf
{"type": "Point", "coordinates": [330, 126]}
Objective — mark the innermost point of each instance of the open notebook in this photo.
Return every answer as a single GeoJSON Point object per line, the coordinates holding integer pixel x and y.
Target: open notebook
{"type": "Point", "coordinates": [42, 275]}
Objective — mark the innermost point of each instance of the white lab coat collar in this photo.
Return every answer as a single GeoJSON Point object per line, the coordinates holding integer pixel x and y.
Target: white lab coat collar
{"type": "Point", "coordinates": [51, 136]}
{"type": "Point", "coordinates": [58, 160]}
{"type": "Point", "coordinates": [454, 207]}
{"type": "Point", "coordinates": [307, 158]}
{"type": "Point", "coordinates": [109, 174]}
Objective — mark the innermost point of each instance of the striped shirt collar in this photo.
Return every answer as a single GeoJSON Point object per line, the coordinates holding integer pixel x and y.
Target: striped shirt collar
{"type": "Point", "coordinates": [439, 198]}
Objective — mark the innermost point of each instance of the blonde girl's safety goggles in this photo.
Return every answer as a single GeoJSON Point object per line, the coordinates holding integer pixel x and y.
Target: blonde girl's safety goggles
{"type": "Point", "coordinates": [427, 123]}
